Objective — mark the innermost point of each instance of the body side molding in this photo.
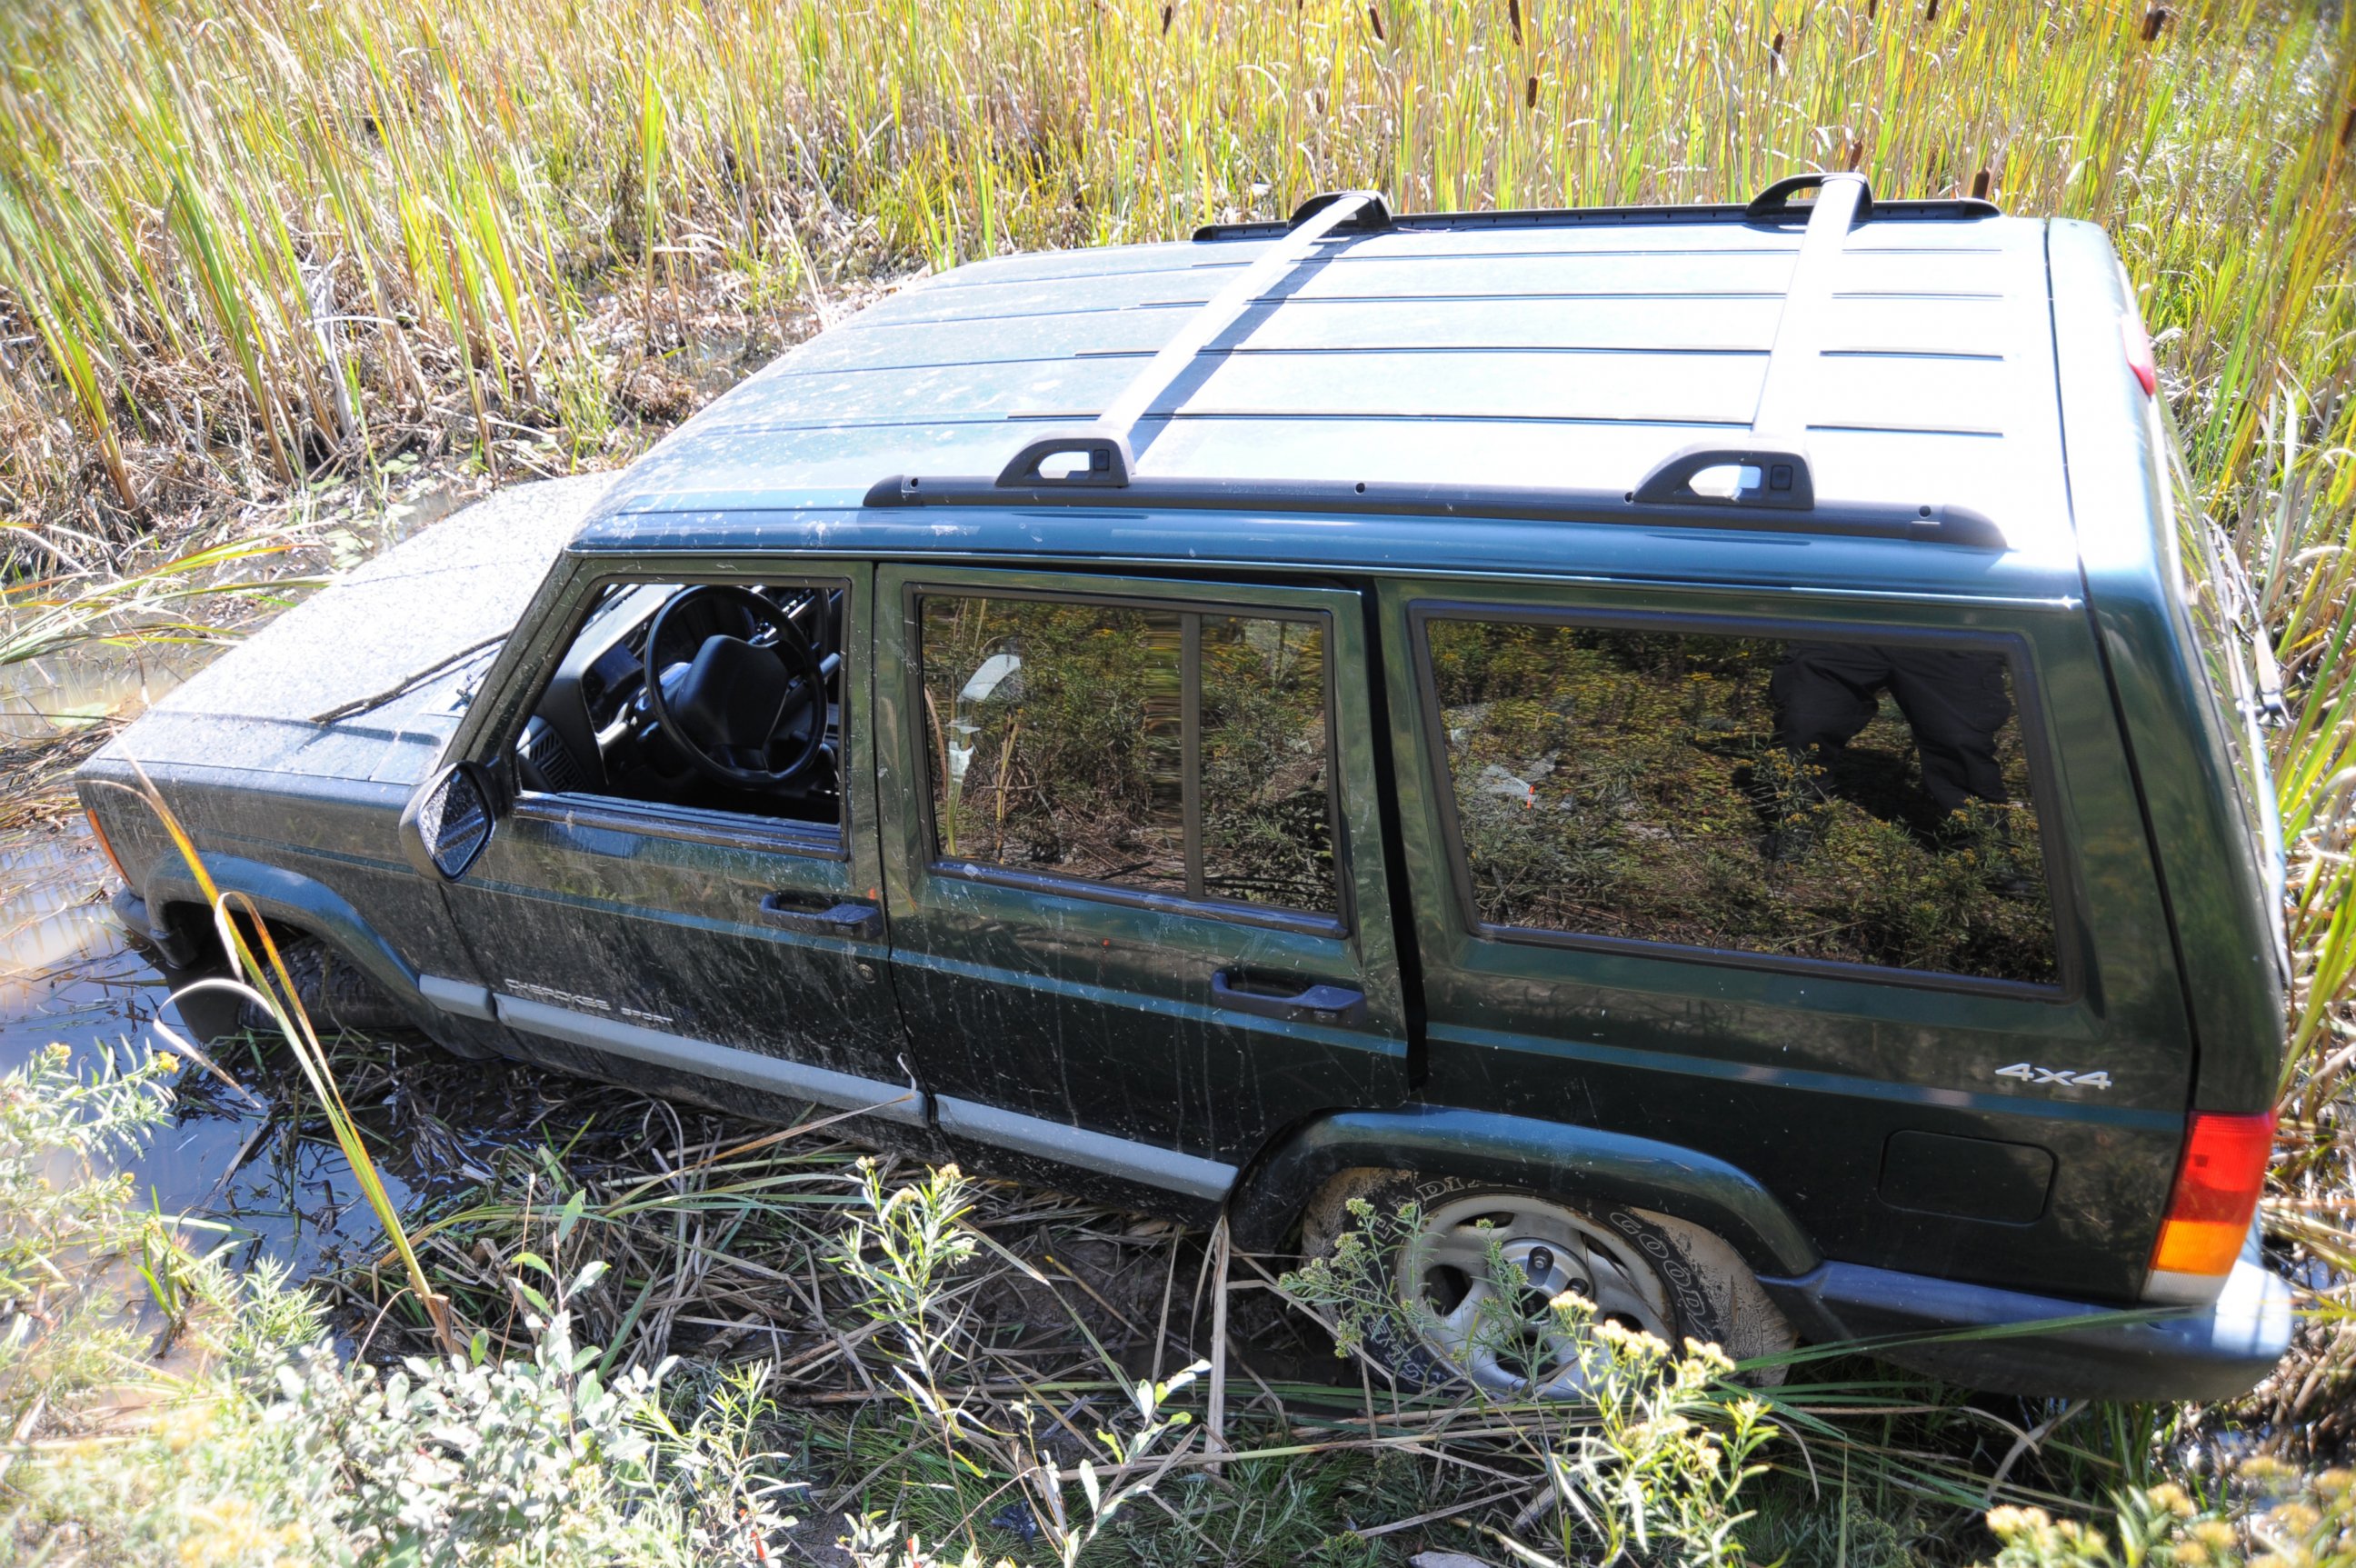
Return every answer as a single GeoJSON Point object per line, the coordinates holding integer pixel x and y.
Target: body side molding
{"type": "Point", "coordinates": [726, 1064]}
{"type": "Point", "coordinates": [1520, 1152]}
{"type": "Point", "coordinates": [1145, 1162]}
{"type": "Point", "coordinates": [462, 997]}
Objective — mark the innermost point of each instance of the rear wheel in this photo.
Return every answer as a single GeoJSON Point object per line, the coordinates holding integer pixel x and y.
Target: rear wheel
{"type": "Point", "coordinates": [1473, 1277]}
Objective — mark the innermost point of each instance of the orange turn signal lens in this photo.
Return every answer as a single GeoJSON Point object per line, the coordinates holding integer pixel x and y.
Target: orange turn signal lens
{"type": "Point", "coordinates": [98, 832]}
{"type": "Point", "coordinates": [2217, 1184]}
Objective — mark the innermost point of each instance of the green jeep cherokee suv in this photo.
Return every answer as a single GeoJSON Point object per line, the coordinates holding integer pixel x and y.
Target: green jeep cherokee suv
{"type": "Point", "coordinates": [1704, 746]}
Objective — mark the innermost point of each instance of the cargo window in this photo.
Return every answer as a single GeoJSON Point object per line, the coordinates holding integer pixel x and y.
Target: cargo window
{"type": "Point", "coordinates": [1817, 799]}
{"type": "Point", "coordinates": [1166, 750]}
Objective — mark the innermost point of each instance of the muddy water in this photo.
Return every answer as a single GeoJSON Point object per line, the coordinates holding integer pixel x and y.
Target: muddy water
{"type": "Point", "coordinates": [73, 977]}
{"type": "Point", "coordinates": [70, 975]}
{"type": "Point", "coordinates": [262, 1170]}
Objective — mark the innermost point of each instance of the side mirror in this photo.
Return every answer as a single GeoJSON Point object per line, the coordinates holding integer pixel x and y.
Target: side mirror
{"type": "Point", "coordinates": [446, 823]}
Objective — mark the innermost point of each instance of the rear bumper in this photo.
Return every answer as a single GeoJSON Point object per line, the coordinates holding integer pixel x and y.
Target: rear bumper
{"type": "Point", "coordinates": [2028, 1344]}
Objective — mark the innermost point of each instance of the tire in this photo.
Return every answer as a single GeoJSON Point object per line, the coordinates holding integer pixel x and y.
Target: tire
{"type": "Point", "coordinates": [337, 996]}
{"type": "Point", "coordinates": [1643, 1271]}
{"type": "Point", "coordinates": [332, 992]}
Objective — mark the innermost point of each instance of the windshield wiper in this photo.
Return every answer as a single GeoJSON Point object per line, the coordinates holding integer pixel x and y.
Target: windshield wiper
{"type": "Point", "coordinates": [423, 677]}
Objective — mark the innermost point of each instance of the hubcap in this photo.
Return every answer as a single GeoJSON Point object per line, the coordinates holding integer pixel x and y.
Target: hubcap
{"type": "Point", "coordinates": [1499, 1331]}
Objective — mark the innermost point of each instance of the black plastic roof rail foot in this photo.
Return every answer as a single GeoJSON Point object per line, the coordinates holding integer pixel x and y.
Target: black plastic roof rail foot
{"type": "Point", "coordinates": [1107, 466]}
{"type": "Point", "coordinates": [1373, 215]}
{"type": "Point", "coordinates": [1775, 201]}
{"type": "Point", "coordinates": [1785, 481]}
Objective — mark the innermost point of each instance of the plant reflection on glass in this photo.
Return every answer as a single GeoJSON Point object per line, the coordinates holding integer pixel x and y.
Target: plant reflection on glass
{"type": "Point", "coordinates": [1068, 737]}
{"type": "Point", "coordinates": [1834, 802]}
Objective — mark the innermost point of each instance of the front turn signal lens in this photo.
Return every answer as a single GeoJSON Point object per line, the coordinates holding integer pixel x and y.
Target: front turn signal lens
{"type": "Point", "coordinates": [98, 832]}
{"type": "Point", "coordinates": [2218, 1180]}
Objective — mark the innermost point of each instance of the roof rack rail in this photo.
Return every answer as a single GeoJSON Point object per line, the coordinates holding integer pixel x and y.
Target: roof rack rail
{"type": "Point", "coordinates": [1758, 210]}
{"type": "Point", "coordinates": [1771, 477]}
{"type": "Point", "coordinates": [1928, 524]}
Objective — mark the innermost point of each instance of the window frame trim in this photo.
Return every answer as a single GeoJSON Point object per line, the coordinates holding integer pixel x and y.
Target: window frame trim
{"type": "Point", "coordinates": [1047, 884]}
{"type": "Point", "coordinates": [2059, 861]}
{"type": "Point", "coordinates": [1340, 924]}
{"type": "Point", "coordinates": [689, 825]}
{"type": "Point", "coordinates": [682, 825]}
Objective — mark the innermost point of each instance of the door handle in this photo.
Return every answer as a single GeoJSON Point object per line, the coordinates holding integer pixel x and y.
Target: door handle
{"type": "Point", "coordinates": [1320, 1003]}
{"type": "Point", "coordinates": [846, 919]}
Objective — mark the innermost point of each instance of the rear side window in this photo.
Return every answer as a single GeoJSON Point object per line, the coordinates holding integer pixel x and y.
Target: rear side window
{"type": "Point", "coordinates": [1853, 801]}
{"type": "Point", "coordinates": [1167, 750]}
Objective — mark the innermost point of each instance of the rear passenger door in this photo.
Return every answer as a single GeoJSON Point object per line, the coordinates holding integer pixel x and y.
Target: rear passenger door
{"type": "Point", "coordinates": [1139, 912]}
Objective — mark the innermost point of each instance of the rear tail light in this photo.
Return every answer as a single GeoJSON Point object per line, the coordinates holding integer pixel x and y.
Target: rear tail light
{"type": "Point", "coordinates": [2218, 1181]}
{"type": "Point", "coordinates": [2139, 357]}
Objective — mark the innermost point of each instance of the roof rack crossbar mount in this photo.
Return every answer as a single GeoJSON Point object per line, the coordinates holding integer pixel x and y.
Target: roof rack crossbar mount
{"type": "Point", "coordinates": [1105, 443]}
{"type": "Point", "coordinates": [1771, 466]}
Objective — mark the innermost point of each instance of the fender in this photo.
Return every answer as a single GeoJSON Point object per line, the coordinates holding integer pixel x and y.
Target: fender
{"type": "Point", "coordinates": [296, 901]}
{"type": "Point", "coordinates": [1520, 1152]}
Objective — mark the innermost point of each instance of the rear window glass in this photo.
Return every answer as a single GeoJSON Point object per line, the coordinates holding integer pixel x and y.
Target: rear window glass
{"type": "Point", "coordinates": [2228, 636]}
{"type": "Point", "coordinates": [1166, 750]}
{"type": "Point", "coordinates": [1845, 800]}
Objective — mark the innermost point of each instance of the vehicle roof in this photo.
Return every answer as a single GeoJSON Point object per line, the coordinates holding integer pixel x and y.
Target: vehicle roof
{"type": "Point", "coordinates": [1561, 352]}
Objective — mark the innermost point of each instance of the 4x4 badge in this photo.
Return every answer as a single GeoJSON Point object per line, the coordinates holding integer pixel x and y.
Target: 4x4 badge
{"type": "Point", "coordinates": [2062, 1076]}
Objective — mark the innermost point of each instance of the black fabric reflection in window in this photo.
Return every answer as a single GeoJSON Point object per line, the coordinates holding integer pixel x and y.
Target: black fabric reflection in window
{"type": "Point", "coordinates": [1843, 800]}
{"type": "Point", "coordinates": [1170, 751]}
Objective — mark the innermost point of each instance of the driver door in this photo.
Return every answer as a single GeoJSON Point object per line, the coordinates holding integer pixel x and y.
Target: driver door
{"type": "Point", "coordinates": [715, 936]}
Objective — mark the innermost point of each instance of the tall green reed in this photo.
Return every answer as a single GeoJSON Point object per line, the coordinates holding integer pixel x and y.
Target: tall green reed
{"type": "Point", "coordinates": [244, 205]}
{"type": "Point", "coordinates": [259, 973]}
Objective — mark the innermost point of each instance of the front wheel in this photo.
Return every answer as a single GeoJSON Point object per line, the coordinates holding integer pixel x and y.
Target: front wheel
{"type": "Point", "coordinates": [1470, 1281]}
{"type": "Point", "coordinates": [336, 995]}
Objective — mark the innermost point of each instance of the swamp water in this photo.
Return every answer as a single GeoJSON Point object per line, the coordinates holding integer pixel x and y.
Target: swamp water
{"type": "Point", "coordinates": [245, 1169]}
{"type": "Point", "coordinates": [70, 975]}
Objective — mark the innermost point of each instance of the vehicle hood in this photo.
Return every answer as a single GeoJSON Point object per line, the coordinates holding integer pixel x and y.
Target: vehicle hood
{"type": "Point", "coordinates": [332, 688]}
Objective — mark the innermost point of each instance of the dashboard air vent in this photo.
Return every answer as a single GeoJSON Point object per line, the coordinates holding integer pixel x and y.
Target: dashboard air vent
{"type": "Point", "coordinates": [545, 750]}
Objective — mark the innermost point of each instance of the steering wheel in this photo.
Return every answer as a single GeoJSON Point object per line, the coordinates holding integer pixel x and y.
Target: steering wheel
{"type": "Point", "coordinates": [726, 710]}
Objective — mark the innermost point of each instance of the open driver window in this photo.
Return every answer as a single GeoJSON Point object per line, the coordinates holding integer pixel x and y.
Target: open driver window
{"type": "Point", "coordinates": [712, 696]}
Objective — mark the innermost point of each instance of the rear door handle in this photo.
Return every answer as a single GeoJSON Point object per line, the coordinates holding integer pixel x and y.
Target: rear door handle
{"type": "Point", "coordinates": [845, 919]}
{"type": "Point", "coordinates": [1318, 1004]}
